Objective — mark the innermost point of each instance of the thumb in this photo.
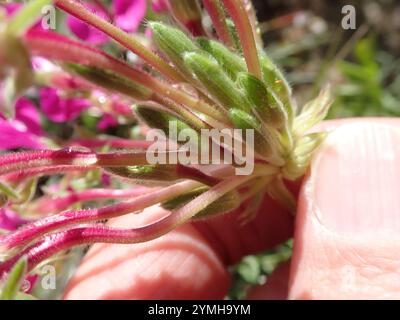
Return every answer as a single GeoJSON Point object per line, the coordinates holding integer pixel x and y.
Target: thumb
{"type": "Point", "coordinates": [347, 238]}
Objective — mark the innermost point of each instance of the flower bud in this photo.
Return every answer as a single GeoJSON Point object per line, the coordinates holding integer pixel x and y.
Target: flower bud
{"type": "Point", "coordinates": [264, 101]}
{"type": "Point", "coordinates": [111, 81]}
{"type": "Point", "coordinates": [214, 79]}
{"type": "Point", "coordinates": [173, 43]}
{"type": "Point", "coordinates": [229, 61]}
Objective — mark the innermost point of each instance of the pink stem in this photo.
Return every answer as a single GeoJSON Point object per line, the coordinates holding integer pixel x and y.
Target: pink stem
{"type": "Point", "coordinates": [57, 47]}
{"type": "Point", "coordinates": [79, 11]}
{"type": "Point", "coordinates": [246, 35]}
{"type": "Point", "coordinates": [44, 158]}
{"type": "Point", "coordinates": [49, 204]}
{"type": "Point", "coordinates": [18, 176]}
{"type": "Point", "coordinates": [218, 18]}
{"type": "Point", "coordinates": [40, 227]}
{"type": "Point", "coordinates": [59, 241]}
{"type": "Point", "coordinates": [112, 142]}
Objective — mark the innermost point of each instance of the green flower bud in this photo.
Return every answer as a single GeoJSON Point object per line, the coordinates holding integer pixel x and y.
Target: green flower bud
{"type": "Point", "coordinates": [229, 61]}
{"type": "Point", "coordinates": [111, 81]}
{"type": "Point", "coordinates": [216, 81]}
{"type": "Point", "coordinates": [266, 141]}
{"type": "Point", "coordinates": [160, 119]}
{"type": "Point", "coordinates": [173, 43]}
{"type": "Point", "coordinates": [264, 101]}
{"type": "Point", "coordinates": [275, 80]}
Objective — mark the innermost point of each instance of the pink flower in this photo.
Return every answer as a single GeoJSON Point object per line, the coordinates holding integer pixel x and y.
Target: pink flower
{"type": "Point", "coordinates": [159, 5]}
{"type": "Point", "coordinates": [85, 32]}
{"type": "Point", "coordinates": [26, 112]}
{"type": "Point", "coordinates": [10, 220]}
{"type": "Point", "coordinates": [25, 130]}
{"type": "Point", "coordinates": [127, 15]}
{"type": "Point", "coordinates": [59, 109]}
{"type": "Point", "coordinates": [106, 122]}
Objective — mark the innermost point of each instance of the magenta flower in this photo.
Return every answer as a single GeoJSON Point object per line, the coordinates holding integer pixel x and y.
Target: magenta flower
{"type": "Point", "coordinates": [107, 121]}
{"type": "Point", "coordinates": [60, 109]}
{"type": "Point", "coordinates": [85, 32]}
{"type": "Point", "coordinates": [25, 130]}
{"type": "Point", "coordinates": [159, 5]}
{"type": "Point", "coordinates": [10, 220]}
{"type": "Point", "coordinates": [26, 113]}
{"type": "Point", "coordinates": [127, 15]}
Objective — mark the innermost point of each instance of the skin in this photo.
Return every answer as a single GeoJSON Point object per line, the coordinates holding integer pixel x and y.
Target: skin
{"type": "Point", "coordinates": [346, 234]}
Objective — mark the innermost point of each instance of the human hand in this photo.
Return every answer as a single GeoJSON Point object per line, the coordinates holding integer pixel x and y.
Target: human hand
{"type": "Point", "coordinates": [345, 236]}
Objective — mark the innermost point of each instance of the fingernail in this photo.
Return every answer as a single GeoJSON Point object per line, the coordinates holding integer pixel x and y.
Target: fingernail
{"type": "Point", "coordinates": [356, 179]}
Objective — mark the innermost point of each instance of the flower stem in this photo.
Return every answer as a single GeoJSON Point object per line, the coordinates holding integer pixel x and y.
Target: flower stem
{"type": "Point", "coordinates": [79, 11]}
{"type": "Point", "coordinates": [49, 204]}
{"type": "Point", "coordinates": [246, 35]}
{"type": "Point", "coordinates": [56, 47]}
{"type": "Point", "coordinates": [43, 158]}
{"type": "Point", "coordinates": [40, 227]}
{"type": "Point", "coordinates": [59, 241]}
{"type": "Point", "coordinates": [218, 18]}
{"type": "Point", "coordinates": [18, 176]}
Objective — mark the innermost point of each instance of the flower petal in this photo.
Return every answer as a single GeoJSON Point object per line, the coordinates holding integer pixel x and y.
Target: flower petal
{"type": "Point", "coordinates": [129, 13]}
{"type": "Point", "coordinates": [27, 113]}
{"type": "Point", "coordinates": [58, 109]}
{"type": "Point", "coordinates": [13, 138]}
{"type": "Point", "coordinates": [85, 32]}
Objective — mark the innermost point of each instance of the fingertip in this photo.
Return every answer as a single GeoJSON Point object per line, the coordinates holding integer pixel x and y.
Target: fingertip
{"type": "Point", "coordinates": [347, 222]}
{"type": "Point", "coordinates": [179, 265]}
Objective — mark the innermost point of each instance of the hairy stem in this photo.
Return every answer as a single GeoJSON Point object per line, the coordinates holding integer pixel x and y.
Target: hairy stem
{"type": "Point", "coordinates": [33, 159]}
{"type": "Point", "coordinates": [38, 228]}
{"type": "Point", "coordinates": [50, 204]}
{"type": "Point", "coordinates": [57, 47]}
{"type": "Point", "coordinates": [246, 35]}
{"type": "Point", "coordinates": [218, 18]}
{"type": "Point", "coordinates": [79, 11]}
{"type": "Point", "coordinates": [57, 242]}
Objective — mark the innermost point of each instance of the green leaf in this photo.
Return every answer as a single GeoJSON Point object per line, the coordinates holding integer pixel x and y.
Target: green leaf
{"type": "Point", "coordinates": [214, 79]}
{"type": "Point", "coordinates": [111, 81]}
{"type": "Point", "coordinates": [8, 191]}
{"type": "Point", "coordinates": [14, 279]}
{"type": "Point", "coordinates": [229, 61]}
{"type": "Point", "coordinates": [27, 191]}
{"type": "Point", "coordinates": [26, 17]}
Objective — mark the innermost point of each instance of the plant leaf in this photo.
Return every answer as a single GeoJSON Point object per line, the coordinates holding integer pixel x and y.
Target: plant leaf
{"type": "Point", "coordinates": [14, 279]}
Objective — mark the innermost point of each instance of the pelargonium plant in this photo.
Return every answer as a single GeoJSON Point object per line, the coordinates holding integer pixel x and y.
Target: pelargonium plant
{"type": "Point", "coordinates": [190, 73]}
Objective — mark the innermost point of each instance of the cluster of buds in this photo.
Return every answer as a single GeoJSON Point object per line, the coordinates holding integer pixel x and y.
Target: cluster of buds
{"type": "Point", "coordinates": [201, 78]}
